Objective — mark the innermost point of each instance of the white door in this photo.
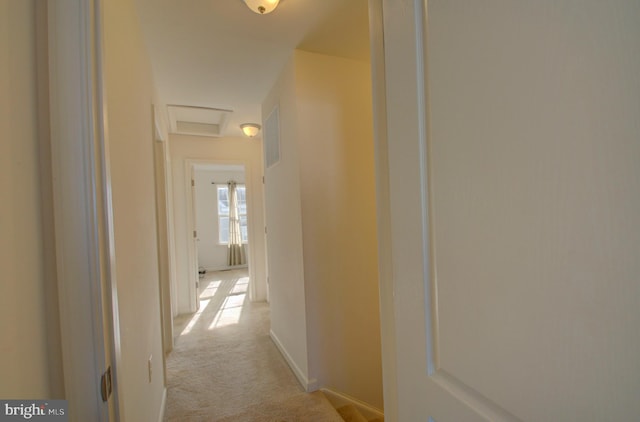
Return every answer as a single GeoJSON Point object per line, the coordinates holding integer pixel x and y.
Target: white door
{"type": "Point", "coordinates": [513, 152]}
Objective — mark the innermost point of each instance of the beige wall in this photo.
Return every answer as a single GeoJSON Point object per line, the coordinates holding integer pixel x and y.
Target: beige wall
{"type": "Point", "coordinates": [221, 151]}
{"type": "Point", "coordinates": [339, 227]}
{"type": "Point", "coordinates": [327, 159]}
{"type": "Point", "coordinates": [30, 345]}
{"type": "Point", "coordinates": [284, 230]}
{"type": "Point", "coordinates": [129, 96]}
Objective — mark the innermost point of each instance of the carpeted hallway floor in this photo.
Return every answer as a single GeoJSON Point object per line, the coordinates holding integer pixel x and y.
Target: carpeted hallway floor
{"type": "Point", "coordinates": [225, 367]}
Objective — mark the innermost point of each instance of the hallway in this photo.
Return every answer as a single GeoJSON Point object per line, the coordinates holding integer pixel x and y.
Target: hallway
{"type": "Point", "coordinates": [224, 360]}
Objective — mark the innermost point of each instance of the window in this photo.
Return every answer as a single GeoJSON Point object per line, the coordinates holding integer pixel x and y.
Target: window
{"type": "Point", "coordinates": [223, 213]}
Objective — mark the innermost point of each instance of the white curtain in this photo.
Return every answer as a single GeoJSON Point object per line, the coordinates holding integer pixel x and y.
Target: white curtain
{"type": "Point", "coordinates": [236, 253]}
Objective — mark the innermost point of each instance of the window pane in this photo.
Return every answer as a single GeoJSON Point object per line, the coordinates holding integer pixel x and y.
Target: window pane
{"type": "Point", "coordinates": [223, 227]}
{"type": "Point", "coordinates": [223, 200]}
{"type": "Point", "coordinates": [243, 228]}
{"type": "Point", "coordinates": [242, 200]}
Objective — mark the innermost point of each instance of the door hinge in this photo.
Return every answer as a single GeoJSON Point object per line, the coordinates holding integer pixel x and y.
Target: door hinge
{"type": "Point", "coordinates": [195, 234]}
{"type": "Point", "coordinates": [263, 180]}
{"type": "Point", "coordinates": [193, 182]}
{"type": "Point", "coordinates": [106, 384]}
{"type": "Point", "coordinates": [265, 229]}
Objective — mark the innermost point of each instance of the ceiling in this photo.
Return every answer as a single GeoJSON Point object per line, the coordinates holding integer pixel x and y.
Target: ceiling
{"type": "Point", "coordinates": [219, 54]}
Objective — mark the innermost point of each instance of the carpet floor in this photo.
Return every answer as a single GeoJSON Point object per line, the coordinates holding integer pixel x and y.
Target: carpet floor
{"type": "Point", "coordinates": [224, 366]}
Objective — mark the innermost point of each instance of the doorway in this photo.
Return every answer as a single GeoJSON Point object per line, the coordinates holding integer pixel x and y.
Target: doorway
{"type": "Point", "coordinates": [212, 205]}
{"type": "Point", "coordinates": [206, 180]}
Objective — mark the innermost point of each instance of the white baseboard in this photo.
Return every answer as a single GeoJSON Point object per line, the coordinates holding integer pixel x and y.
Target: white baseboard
{"type": "Point", "coordinates": [163, 404]}
{"type": "Point", "coordinates": [215, 269]}
{"type": "Point", "coordinates": [306, 383]}
{"type": "Point", "coordinates": [339, 399]}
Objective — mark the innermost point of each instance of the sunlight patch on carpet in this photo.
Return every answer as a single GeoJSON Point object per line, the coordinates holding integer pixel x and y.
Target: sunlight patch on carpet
{"type": "Point", "coordinates": [211, 289]}
{"type": "Point", "coordinates": [229, 312]}
{"type": "Point", "coordinates": [196, 317]}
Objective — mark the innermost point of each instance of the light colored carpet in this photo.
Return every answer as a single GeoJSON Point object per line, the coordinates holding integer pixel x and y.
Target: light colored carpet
{"type": "Point", "coordinates": [226, 368]}
{"type": "Point", "coordinates": [350, 414]}
{"type": "Point", "coordinates": [301, 407]}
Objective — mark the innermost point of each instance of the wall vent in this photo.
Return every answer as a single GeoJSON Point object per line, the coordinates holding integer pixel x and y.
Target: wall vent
{"type": "Point", "coordinates": [272, 138]}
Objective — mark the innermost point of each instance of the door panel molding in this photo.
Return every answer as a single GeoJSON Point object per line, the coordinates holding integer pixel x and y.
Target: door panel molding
{"type": "Point", "coordinates": [439, 376]}
{"type": "Point", "coordinates": [415, 282]}
{"type": "Point", "coordinates": [508, 232]}
{"type": "Point", "coordinates": [471, 398]}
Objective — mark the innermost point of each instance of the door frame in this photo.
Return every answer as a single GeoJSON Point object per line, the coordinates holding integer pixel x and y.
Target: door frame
{"type": "Point", "coordinates": [383, 209]}
{"type": "Point", "coordinates": [83, 218]}
{"type": "Point", "coordinates": [192, 252]}
{"type": "Point", "coordinates": [190, 163]}
{"type": "Point", "coordinates": [166, 249]}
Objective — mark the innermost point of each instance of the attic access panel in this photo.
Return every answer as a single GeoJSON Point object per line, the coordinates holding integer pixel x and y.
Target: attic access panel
{"type": "Point", "coordinates": [199, 121]}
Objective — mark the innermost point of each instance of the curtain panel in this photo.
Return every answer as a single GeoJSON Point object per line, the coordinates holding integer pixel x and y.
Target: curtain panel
{"type": "Point", "coordinates": [236, 254]}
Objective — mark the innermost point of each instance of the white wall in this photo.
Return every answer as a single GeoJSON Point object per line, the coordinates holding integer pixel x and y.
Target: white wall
{"type": "Point", "coordinates": [243, 151]}
{"type": "Point", "coordinates": [30, 345]}
{"type": "Point", "coordinates": [326, 175]}
{"type": "Point", "coordinates": [212, 255]}
{"type": "Point", "coordinates": [129, 102]}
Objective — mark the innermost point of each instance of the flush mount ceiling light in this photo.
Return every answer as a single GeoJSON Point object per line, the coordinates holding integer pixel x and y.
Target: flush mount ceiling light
{"type": "Point", "coordinates": [262, 7]}
{"type": "Point", "coordinates": [250, 129]}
